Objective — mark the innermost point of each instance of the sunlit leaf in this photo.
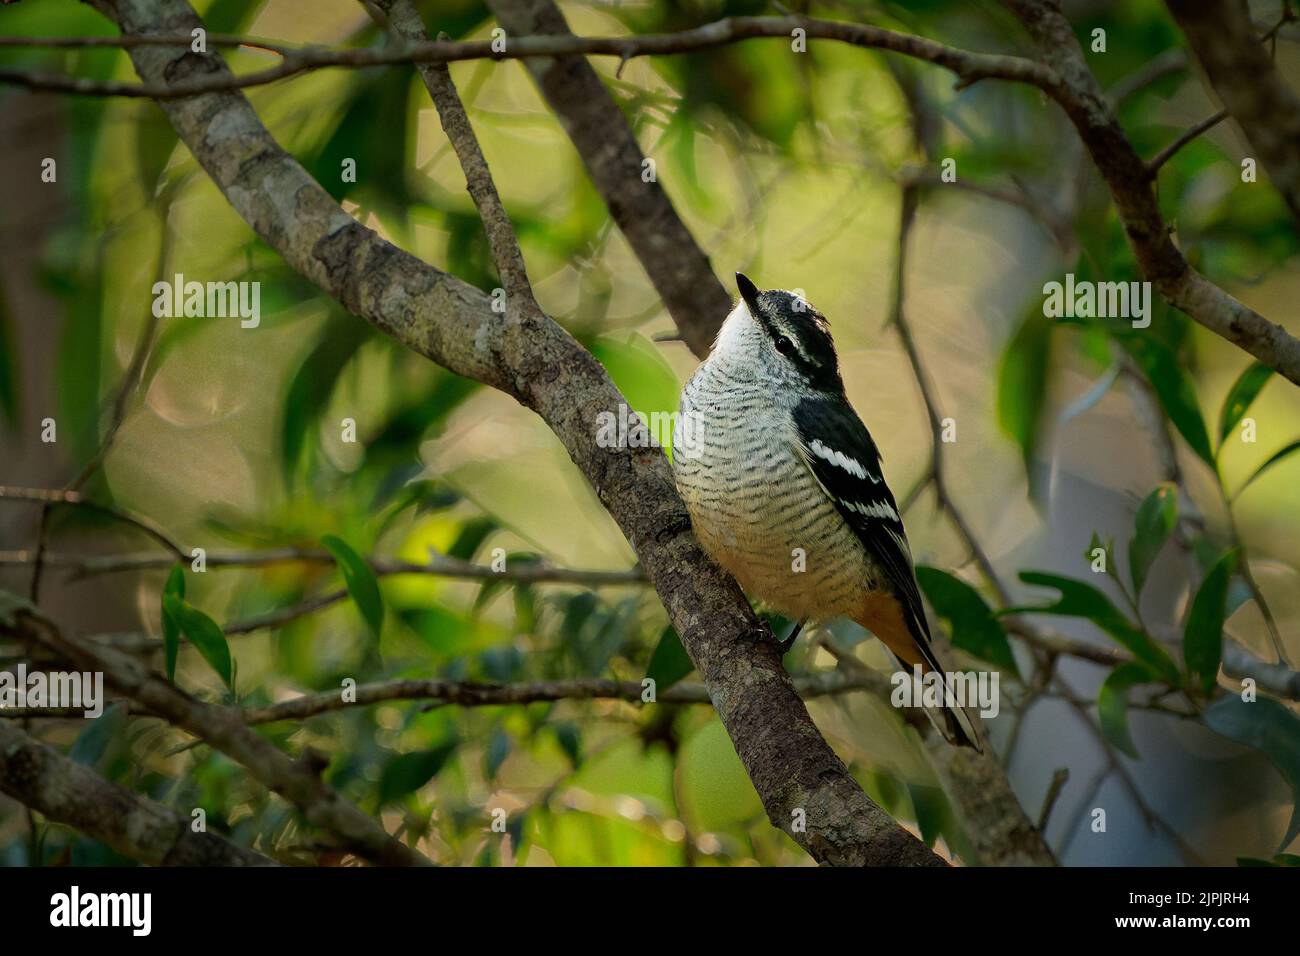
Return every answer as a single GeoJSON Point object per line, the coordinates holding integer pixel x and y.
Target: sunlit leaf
{"type": "Point", "coordinates": [1273, 460]}
{"type": "Point", "coordinates": [1240, 396]}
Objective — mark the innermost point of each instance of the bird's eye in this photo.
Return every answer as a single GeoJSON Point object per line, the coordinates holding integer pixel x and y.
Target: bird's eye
{"type": "Point", "coordinates": [783, 345]}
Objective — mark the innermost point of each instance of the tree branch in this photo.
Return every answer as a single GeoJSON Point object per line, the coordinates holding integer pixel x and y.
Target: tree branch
{"type": "Point", "coordinates": [678, 268]}
{"type": "Point", "coordinates": [225, 730]}
{"type": "Point", "coordinates": [969, 67]}
{"type": "Point", "coordinates": [533, 359]}
{"type": "Point", "coordinates": [1130, 184]}
{"type": "Point", "coordinates": [66, 792]}
{"type": "Point", "coordinates": [438, 565]}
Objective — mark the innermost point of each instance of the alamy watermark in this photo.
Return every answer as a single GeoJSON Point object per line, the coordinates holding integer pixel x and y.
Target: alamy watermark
{"type": "Point", "coordinates": [213, 300]}
{"type": "Point", "coordinates": [1084, 299]}
{"type": "Point", "coordinates": [628, 428]}
{"type": "Point", "coordinates": [130, 910]}
{"type": "Point", "coordinates": [75, 690]}
{"type": "Point", "coordinates": [970, 689]}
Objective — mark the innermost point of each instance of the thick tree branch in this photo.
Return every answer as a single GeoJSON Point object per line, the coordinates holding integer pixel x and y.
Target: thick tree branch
{"type": "Point", "coordinates": [1241, 70]}
{"type": "Point", "coordinates": [677, 266]}
{"type": "Point", "coordinates": [66, 792]}
{"type": "Point", "coordinates": [533, 359]}
{"type": "Point", "coordinates": [225, 730]}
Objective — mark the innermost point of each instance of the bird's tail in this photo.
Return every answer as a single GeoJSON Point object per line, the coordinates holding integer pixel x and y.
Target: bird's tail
{"type": "Point", "coordinates": [957, 723]}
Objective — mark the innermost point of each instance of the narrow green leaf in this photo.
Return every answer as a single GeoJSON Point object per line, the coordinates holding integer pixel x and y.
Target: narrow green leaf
{"type": "Point", "coordinates": [361, 582]}
{"type": "Point", "coordinates": [669, 663]}
{"type": "Point", "coordinates": [932, 811]}
{"type": "Point", "coordinates": [204, 633]}
{"type": "Point", "coordinates": [1083, 600]}
{"type": "Point", "coordinates": [1277, 456]}
{"type": "Point", "coordinates": [498, 749]}
{"type": "Point", "coordinates": [1155, 519]}
{"type": "Point", "coordinates": [312, 384]}
{"type": "Point", "coordinates": [1203, 635]}
{"type": "Point", "coordinates": [1173, 386]}
{"type": "Point", "coordinates": [171, 627]}
{"type": "Point", "coordinates": [1240, 397]}
{"type": "Point", "coordinates": [1112, 703]}
{"type": "Point", "coordinates": [1022, 382]}
{"type": "Point", "coordinates": [1269, 727]}
{"type": "Point", "coordinates": [971, 622]}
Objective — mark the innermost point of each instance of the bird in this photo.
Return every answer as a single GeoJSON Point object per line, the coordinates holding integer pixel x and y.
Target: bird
{"type": "Point", "coordinates": [785, 490]}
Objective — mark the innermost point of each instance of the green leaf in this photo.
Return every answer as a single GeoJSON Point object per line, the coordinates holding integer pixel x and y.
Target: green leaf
{"type": "Point", "coordinates": [171, 626]}
{"type": "Point", "coordinates": [498, 749]}
{"type": "Point", "coordinates": [1022, 382]}
{"type": "Point", "coordinates": [1083, 600]}
{"type": "Point", "coordinates": [204, 633]}
{"type": "Point", "coordinates": [973, 626]}
{"type": "Point", "coordinates": [1240, 396]}
{"type": "Point", "coordinates": [669, 663]}
{"type": "Point", "coordinates": [1203, 635]}
{"type": "Point", "coordinates": [1277, 456]}
{"type": "Point", "coordinates": [932, 812]}
{"type": "Point", "coordinates": [569, 737]}
{"type": "Point", "coordinates": [645, 379]}
{"type": "Point", "coordinates": [407, 773]}
{"type": "Point", "coordinates": [1155, 519]}
{"type": "Point", "coordinates": [1270, 728]}
{"type": "Point", "coordinates": [1174, 388]}
{"type": "Point", "coordinates": [313, 384]}
{"type": "Point", "coordinates": [361, 582]}
{"type": "Point", "coordinates": [1112, 703]}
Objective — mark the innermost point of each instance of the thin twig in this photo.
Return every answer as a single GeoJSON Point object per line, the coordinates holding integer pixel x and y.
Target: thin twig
{"type": "Point", "coordinates": [969, 67]}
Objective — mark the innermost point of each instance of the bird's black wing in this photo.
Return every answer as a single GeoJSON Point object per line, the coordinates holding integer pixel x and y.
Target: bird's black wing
{"type": "Point", "coordinates": [845, 461]}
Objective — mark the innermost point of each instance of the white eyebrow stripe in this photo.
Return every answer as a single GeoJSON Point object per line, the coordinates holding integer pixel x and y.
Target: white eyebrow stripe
{"type": "Point", "coordinates": [877, 509]}
{"type": "Point", "coordinates": [840, 460]}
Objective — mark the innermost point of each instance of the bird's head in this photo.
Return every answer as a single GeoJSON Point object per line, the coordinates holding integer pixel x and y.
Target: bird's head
{"type": "Point", "coordinates": [780, 337]}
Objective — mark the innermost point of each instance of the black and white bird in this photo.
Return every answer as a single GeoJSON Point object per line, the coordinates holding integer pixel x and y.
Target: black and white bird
{"type": "Point", "coordinates": [784, 485]}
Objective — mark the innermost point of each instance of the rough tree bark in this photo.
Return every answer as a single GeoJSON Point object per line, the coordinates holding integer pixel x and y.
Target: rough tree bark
{"type": "Point", "coordinates": [66, 792]}
{"type": "Point", "coordinates": [1242, 73]}
{"type": "Point", "coordinates": [675, 263]}
{"type": "Point", "coordinates": [534, 360]}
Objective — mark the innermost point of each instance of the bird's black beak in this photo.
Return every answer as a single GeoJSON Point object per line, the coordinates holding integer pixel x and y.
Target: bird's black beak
{"type": "Point", "coordinates": [748, 292]}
